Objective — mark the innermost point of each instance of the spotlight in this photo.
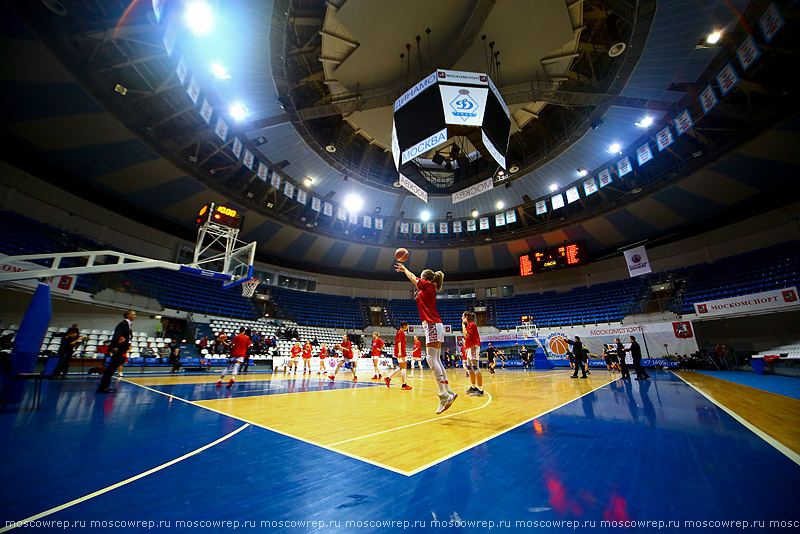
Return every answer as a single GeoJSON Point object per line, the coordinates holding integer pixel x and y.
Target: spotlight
{"type": "Point", "coordinates": [353, 202]}
{"type": "Point", "coordinates": [644, 122]}
{"type": "Point", "coordinates": [582, 171]}
{"type": "Point", "coordinates": [219, 71]}
{"type": "Point", "coordinates": [713, 38]}
{"type": "Point", "coordinates": [238, 111]}
{"type": "Point", "coordinates": [425, 215]}
{"type": "Point", "coordinates": [501, 173]}
{"type": "Point", "coordinates": [500, 204]}
{"type": "Point", "coordinates": [307, 182]}
{"type": "Point", "coordinates": [198, 17]}
{"type": "Point", "coordinates": [614, 148]}
{"type": "Point", "coordinates": [475, 213]}
{"type": "Point", "coordinates": [553, 187]}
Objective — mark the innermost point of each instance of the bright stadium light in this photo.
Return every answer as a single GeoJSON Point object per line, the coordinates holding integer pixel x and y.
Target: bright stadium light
{"type": "Point", "coordinates": [582, 171]}
{"type": "Point", "coordinates": [553, 187]}
{"type": "Point", "coordinates": [425, 215]}
{"type": "Point", "coordinates": [238, 111]}
{"type": "Point", "coordinates": [714, 37]}
{"type": "Point", "coordinates": [219, 71]}
{"type": "Point", "coordinates": [500, 204]}
{"type": "Point", "coordinates": [475, 213]}
{"type": "Point", "coordinates": [353, 202]}
{"type": "Point", "coordinates": [307, 182]}
{"type": "Point", "coordinates": [198, 17]}
{"type": "Point", "coordinates": [614, 148]}
{"type": "Point", "coordinates": [644, 122]}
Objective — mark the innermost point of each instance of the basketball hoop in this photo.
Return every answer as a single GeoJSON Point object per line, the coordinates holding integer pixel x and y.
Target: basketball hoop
{"type": "Point", "coordinates": [249, 287]}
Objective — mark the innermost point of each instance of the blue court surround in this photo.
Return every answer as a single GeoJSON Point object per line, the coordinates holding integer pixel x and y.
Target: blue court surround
{"type": "Point", "coordinates": [780, 385]}
{"type": "Point", "coordinates": [654, 450]}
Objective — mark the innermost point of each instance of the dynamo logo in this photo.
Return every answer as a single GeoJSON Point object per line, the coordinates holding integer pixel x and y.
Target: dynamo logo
{"type": "Point", "coordinates": [464, 105]}
{"type": "Point", "coordinates": [557, 343]}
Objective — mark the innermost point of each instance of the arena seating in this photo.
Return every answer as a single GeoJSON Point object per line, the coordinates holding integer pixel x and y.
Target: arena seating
{"type": "Point", "coordinates": [333, 311]}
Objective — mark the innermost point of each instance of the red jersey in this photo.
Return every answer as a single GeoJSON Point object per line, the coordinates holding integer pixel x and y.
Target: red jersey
{"type": "Point", "coordinates": [416, 351]}
{"type": "Point", "coordinates": [377, 346]}
{"type": "Point", "coordinates": [347, 352]}
{"type": "Point", "coordinates": [400, 344]}
{"type": "Point", "coordinates": [323, 353]}
{"type": "Point", "coordinates": [463, 352]}
{"type": "Point", "coordinates": [472, 337]}
{"type": "Point", "coordinates": [307, 351]}
{"type": "Point", "coordinates": [296, 351]}
{"type": "Point", "coordinates": [239, 346]}
{"type": "Point", "coordinates": [425, 295]}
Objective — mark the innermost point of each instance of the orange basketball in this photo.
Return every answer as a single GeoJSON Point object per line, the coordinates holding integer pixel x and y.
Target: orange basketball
{"type": "Point", "coordinates": [558, 345]}
{"type": "Point", "coordinates": [401, 254]}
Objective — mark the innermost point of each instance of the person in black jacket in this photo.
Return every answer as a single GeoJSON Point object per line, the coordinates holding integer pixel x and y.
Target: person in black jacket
{"type": "Point", "coordinates": [636, 352]}
{"type": "Point", "coordinates": [623, 366]}
{"type": "Point", "coordinates": [120, 343]}
{"type": "Point", "coordinates": [580, 355]}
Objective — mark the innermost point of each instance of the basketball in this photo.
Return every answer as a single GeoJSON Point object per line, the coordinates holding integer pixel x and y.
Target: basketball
{"type": "Point", "coordinates": [401, 254]}
{"type": "Point", "coordinates": [558, 346]}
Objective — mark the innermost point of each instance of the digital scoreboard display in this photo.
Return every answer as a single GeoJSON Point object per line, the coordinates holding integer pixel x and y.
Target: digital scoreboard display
{"type": "Point", "coordinates": [220, 215]}
{"type": "Point", "coordinates": [552, 258]}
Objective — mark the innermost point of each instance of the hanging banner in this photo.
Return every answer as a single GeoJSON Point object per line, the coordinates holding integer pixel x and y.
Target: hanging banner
{"type": "Point", "coordinates": [316, 204]}
{"type": "Point", "coordinates": [262, 172]}
{"type": "Point", "coordinates": [275, 181]}
{"type": "Point", "coordinates": [354, 218]}
{"type": "Point", "coordinates": [511, 216]}
{"type": "Point", "coordinates": [541, 207]}
{"type": "Point", "coordinates": [557, 201]}
{"type": "Point", "coordinates": [500, 219]}
{"type": "Point", "coordinates": [182, 70]}
{"type": "Point", "coordinates": [170, 37]}
{"type": "Point", "coordinates": [237, 148]}
{"type": "Point", "coordinates": [589, 187]}
{"type": "Point", "coordinates": [341, 214]}
{"type": "Point", "coordinates": [764, 301]}
{"type": "Point", "coordinates": [770, 22]}
{"type": "Point", "coordinates": [727, 78]}
{"type": "Point", "coordinates": [416, 190]}
{"type": "Point", "coordinates": [484, 223]}
{"type": "Point", "coordinates": [644, 154]}
{"type": "Point", "coordinates": [664, 138]}
{"type": "Point", "coordinates": [221, 129]}
{"type": "Point", "coordinates": [367, 221]}
{"type": "Point", "coordinates": [379, 224]}
{"type": "Point", "coordinates": [471, 226]}
{"type": "Point", "coordinates": [683, 122]}
{"type": "Point", "coordinates": [302, 197]}
{"type": "Point", "coordinates": [430, 228]}
{"type": "Point", "coordinates": [327, 209]}
{"type": "Point", "coordinates": [423, 146]}
{"type": "Point", "coordinates": [456, 227]}
{"type": "Point", "coordinates": [443, 227]}
{"type": "Point", "coordinates": [206, 110]}
{"type": "Point", "coordinates": [416, 228]}
{"type": "Point", "coordinates": [498, 157]}
{"type": "Point", "coordinates": [637, 261]}
{"type": "Point", "coordinates": [708, 99]}
{"type": "Point", "coordinates": [472, 191]}
{"type": "Point", "coordinates": [604, 178]}
{"type": "Point", "coordinates": [288, 189]}
{"type": "Point", "coordinates": [249, 159]}
{"type": "Point", "coordinates": [573, 195]}
{"type": "Point", "coordinates": [747, 52]}
{"type": "Point", "coordinates": [193, 90]}
{"type": "Point", "coordinates": [624, 166]}
{"type": "Point", "coordinates": [404, 227]}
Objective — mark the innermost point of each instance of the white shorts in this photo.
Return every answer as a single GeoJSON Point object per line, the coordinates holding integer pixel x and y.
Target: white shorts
{"type": "Point", "coordinates": [401, 359]}
{"type": "Point", "coordinates": [474, 352]}
{"type": "Point", "coordinates": [434, 332]}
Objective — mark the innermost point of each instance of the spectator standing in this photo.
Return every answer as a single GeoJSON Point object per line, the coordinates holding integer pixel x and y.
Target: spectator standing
{"type": "Point", "coordinates": [69, 343]}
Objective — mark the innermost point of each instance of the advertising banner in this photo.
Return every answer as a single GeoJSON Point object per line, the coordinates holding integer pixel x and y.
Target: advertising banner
{"type": "Point", "coordinates": [765, 301]}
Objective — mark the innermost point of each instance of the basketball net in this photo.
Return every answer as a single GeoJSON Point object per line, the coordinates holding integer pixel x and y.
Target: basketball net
{"type": "Point", "coordinates": [249, 287]}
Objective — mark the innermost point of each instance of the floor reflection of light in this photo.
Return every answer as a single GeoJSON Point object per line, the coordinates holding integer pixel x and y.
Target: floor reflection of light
{"type": "Point", "coordinates": [537, 426]}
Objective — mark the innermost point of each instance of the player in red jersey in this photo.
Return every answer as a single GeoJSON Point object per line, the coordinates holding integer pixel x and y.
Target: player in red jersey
{"type": "Point", "coordinates": [427, 284]}
{"type": "Point", "coordinates": [236, 357]}
{"type": "Point", "coordinates": [416, 356]}
{"type": "Point", "coordinates": [296, 351]}
{"type": "Point", "coordinates": [472, 346]}
{"type": "Point", "coordinates": [464, 362]}
{"type": "Point", "coordinates": [323, 353]}
{"type": "Point", "coordinates": [307, 358]}
{"type": "Point", "coordinates": [400, 354]}
{"type": "Point", "coordinates": [347, 357]}
{"type": "Point", "coordinates": [377, 348]}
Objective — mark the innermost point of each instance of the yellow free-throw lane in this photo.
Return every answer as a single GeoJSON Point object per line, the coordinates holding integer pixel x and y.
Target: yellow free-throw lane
{"type": "Point", "coordinates": [388, 426]}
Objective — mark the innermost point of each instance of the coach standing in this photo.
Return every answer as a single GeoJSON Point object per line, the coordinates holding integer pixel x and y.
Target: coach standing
{"type": "Point", "coordinates": [120, 343]}
{"type": "Point", "coordinates": [636, 353]}
{"type": "Point", "coordinates": [623, 365]}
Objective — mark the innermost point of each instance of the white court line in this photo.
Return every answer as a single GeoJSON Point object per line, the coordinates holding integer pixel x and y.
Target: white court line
{"type": "Point", "coordinates": [122, 483]}
{"type": "Point", "coordinates": [789, 453]}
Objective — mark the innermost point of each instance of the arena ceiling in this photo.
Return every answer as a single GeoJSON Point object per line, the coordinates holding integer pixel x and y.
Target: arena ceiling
{"type": "Point", "coordinates": [317, 79]}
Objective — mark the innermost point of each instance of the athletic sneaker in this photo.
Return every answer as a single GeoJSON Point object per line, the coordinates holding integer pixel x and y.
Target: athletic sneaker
{"type": "Point", "coordinates": [405, 386]}
{"type": "Point", "coordinates": [411, 375]}
{"type": "Point", "coordinates": [219, 384]}
{"type": "Point", "coordinates": [471, 389]}
{"type": "Point", "coordinates": [332, 377]}
{"type": "Point", "coordinates": [229, 385]}
{"type": "Point", "coordinates": [355, 379]}
{"type": "Point", "coordinates": [445, 401]}
{"type": "Point", "coordinates": [491, 370]}
{"type": "Point", "coordinates": [375, 377]}
{"type": "Point", "coordinates": [387, 380]}
{"type": "Point", "coordinates": [477, 393]}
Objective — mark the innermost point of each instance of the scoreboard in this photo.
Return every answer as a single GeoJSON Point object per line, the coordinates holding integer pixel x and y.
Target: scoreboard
{"type": "Point", "coordinates": [553, 258]}
{"type": "Point", "coordinates": [220, 215]}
